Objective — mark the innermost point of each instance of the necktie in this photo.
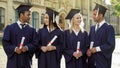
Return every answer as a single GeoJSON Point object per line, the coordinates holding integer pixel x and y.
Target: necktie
{"type": "Point", "coordinates": [97, 27]}
{"type": "Point", "coordinates": [22, 25]}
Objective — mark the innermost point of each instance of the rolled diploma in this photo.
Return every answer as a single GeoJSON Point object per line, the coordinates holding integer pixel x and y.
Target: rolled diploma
{"type": "Point", "coordinates": [91, 44]}
{"type": "Point", "coordinates": [53, 39]}
{"type": "Point", "coordinates": [22, 41]}
{"type": "Point", "coordinates": [78, 46]}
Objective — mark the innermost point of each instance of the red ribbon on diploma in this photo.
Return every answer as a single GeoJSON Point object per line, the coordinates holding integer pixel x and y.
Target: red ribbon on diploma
{"type": "Point", "coordinates": [53, 39]}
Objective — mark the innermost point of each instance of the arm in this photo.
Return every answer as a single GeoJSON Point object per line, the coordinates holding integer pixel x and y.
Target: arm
{"type": "Point", "coordinates": [6, 41]}
{"type": "Point", "coordinates": [67, 50]}
{"type": "Point", "coordinates": [33, 43]}
{"type": "Point", "coordinates": [109, 46]}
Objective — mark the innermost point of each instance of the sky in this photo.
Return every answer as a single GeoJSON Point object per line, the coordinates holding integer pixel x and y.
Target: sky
{"type": "Point", "coordinates": [108, 2]}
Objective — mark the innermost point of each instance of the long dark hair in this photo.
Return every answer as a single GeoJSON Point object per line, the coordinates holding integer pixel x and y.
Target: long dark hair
{"type": "Point", "coordinates": [51, 21]}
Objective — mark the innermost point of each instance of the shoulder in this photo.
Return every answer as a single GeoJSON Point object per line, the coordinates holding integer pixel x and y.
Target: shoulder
{"type": "Point", "coordinates": [40, 30]}
{"type": "Point", "coordinates": [110, 27]}
{"type": "Point", "coordinates": [31, 29]}
{"type": "Point", "coordinates": [60, 31]}
{"type": "Point", "coordinates": [93, 26]}
{"type": "Point", "coordinates": [85, 32]}
{"type": "Point", "coordinates": [66, 30]}
{"type": "Point", "coordinates": [8, 27]}
{"type": "Point", "coordinates": [11, 26]}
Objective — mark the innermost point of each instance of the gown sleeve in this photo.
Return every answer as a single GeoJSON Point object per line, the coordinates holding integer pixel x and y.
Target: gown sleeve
{"type": "Point", "coordinates": [109, 46]}
{"type": "Point", "coordinates": [6, 42]}
{"type": "Point", "coordinates": [68, 51]}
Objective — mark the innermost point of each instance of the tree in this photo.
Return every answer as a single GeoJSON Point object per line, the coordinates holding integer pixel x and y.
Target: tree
{"type": "Point", "coordinates": [116, 5]}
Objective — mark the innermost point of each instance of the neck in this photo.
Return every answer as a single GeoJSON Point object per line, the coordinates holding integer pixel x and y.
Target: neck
{"type": "Point", "coordinates": [51, 26]}
{"type": "Point", "coordinates": [76, 27]}
{"type": "Point", "coordinates": [100, 20]}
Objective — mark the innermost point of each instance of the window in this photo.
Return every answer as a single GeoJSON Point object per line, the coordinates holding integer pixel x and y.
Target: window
{"type": "Point", "coordinates": [35, 20]}
{"type": "Point", "coordinates": [16, 15]}
{"type": "Point", "coordinates": [2, 18]}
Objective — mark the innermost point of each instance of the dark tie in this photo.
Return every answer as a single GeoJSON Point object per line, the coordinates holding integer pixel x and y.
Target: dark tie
{"type": "Point", "coordinates": [22, 25]}
{"type": "Point", "coordinates": [97, 27]}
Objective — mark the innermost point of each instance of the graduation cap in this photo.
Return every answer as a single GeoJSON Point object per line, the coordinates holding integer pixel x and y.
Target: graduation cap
{"type": "Point", "coordinates": [51, 13]}
{"type": "Point", "coordinates": [23, 8]}
{"type": "Point", "coordinates": [72, 13]}
{"type": "Point", "coordinates": [100, 9]}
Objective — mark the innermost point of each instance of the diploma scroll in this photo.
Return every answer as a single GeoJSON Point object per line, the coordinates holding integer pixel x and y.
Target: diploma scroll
{"type": "Point", "coordinates": [53, 39]}
{"type": "Point", "coordinates": [78, 46]}
{"type": "Point", "coordinates": [22, 41]}
{"type": "Point", "coordinates": [91, 44]}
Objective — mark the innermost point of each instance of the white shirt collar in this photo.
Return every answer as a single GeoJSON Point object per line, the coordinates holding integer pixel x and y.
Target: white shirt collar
{"type": "Point", "coordinates": [18, 22]}
{"type": "Point", "coordinates": [76, 32]}
{"type": "Point", "coordinates": [100, 24]}
{"type": "Point", "coordinates": [51, 29]}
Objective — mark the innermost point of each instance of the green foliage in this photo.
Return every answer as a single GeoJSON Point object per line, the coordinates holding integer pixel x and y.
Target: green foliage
{"type": "Point", "coordinates": [116, 5]}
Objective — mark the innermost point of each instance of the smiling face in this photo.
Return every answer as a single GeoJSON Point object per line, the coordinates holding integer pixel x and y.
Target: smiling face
{"type": "Point", "coordinates": [97, 18]}
{"type": "Point", "coordinates": [25, 16]}
{"type": "Point", "coordinates": [76, 19]}
{"type": "Point", "coordinates": [46, 19]}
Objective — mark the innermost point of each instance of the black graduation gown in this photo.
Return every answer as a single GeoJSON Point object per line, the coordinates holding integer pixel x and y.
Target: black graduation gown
{"type": "Point", "coordinates": [70, 46]}
{"type": "Point", "coordinates": [50, 59]}
{"type": "Point", "coordinates": [12, 38]}
{"type": "Point", "coordinates": [105, 38]}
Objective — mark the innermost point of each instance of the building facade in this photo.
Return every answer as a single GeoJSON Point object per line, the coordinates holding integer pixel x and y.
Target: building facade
{"type": "Point", "coordinates": [9, 15]}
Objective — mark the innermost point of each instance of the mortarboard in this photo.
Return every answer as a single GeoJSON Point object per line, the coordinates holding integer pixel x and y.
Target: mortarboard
{"type": "Point", "coordinates": [51, 13]}
{"type": "Point", "coordinates": [23, 8]}
{"type": "Point", "coordinates": [100, 9]}
{"type": "Point", "coordinates": [72, 13]}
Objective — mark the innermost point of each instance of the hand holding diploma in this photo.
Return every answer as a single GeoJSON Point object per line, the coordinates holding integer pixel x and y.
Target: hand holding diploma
{"type": "Point", "coordinates": [50, 46]}
{"type": "Point", "coordinates": [78, 53]}
{"type": "Point", "coordinates": [89, 51]}
{"type": "Point", "coordinates": [22, 41]}
{"type": "Point", "coordinates": [54, 38]}
{"type": "Point", "coordinates": [18, 50]}
{"type": "Point", "coordinates": [24, 48]}
{"type": "Point", "coordinates": [93, 49]}
{"type": "Point", "coordinates": [44, 48]}
{"type": "Point", "coordinates": [91, 44]}
{"type": "Point", "coordinates": [78, 46]}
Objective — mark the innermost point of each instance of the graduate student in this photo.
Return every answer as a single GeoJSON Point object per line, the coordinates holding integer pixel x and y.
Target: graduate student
{"type": "Point", "coordinates": [19, 40]}
{"type": "Point", "coordinates": [103, 36]}
{"type": "Point", "coordinates": [50, 52]}
{"type": "Point", "coordinates": [75, 41]}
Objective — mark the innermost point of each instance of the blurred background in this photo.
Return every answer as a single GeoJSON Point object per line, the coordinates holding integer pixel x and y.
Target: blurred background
{"type": "Point", "coordinates": [9, 15]}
